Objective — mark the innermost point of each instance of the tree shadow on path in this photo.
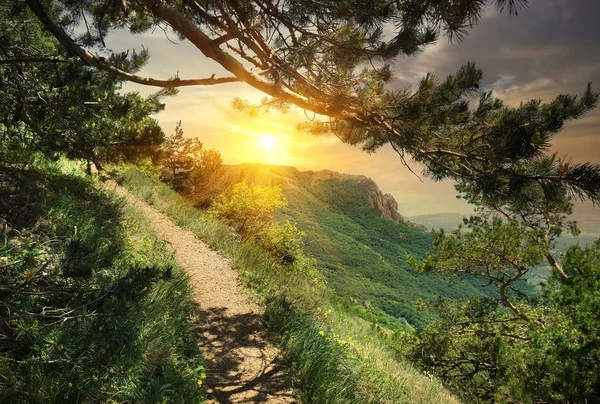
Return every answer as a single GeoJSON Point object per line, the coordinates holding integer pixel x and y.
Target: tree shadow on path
{"type": "Point", "coordinates": [243, 368]}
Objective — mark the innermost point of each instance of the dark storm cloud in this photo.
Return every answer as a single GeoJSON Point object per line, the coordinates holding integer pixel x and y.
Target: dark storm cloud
{"type": "Point", "coordinates": [549, 48]}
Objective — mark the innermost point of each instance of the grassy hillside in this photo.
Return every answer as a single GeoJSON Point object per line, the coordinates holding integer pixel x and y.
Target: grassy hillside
{"type": "Point", "coordinates": [362, 253]}
{"type": "Point", "coordinates": [93, 306]}
{"type": "Point", "coordinates": [331, 355]}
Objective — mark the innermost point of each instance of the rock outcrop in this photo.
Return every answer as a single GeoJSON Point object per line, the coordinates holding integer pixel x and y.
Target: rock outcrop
{"type": "Point", "coordinates": [385, 203]}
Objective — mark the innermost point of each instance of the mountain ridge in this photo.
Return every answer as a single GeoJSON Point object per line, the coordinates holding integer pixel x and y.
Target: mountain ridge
{"type": "Point", "coordinates": [360, 249]}
{"type": "Point", "coordinates": [384, 203]}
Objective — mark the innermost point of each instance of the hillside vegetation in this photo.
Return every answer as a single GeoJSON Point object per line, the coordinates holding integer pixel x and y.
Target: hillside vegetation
{"type": "Point", "coordinates": [362, 252]}
{"type": "Point", "coordinates": [332, 355]}
{"type": "Point", "coordinates": [472, 344]}
{"type": "Point", "coordinates": [93, 306]}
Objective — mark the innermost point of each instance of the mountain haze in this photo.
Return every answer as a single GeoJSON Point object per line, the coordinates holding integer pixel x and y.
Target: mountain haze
{"type": "Point", "coordinates": [587, 218]}
{"type": "Point", "coordinates": [360, 240]}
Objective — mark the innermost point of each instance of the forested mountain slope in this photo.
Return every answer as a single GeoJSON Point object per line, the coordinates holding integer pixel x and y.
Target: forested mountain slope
{"type": "Point", "coordinates": [362, 250]}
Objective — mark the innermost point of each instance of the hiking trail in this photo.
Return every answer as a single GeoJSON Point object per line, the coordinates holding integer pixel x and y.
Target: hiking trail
{"type": "Point", "coordinates": [242, 364]}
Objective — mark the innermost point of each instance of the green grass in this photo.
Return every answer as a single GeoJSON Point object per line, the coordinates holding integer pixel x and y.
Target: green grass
{"type": "Point", "coordinates": [362, 254]}
{"type": "Point", "coordinates": [96, 308]}
{"type": "Point", "coordinates": [332, 355]}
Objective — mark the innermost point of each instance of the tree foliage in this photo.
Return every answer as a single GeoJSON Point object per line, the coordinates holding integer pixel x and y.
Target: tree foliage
{"type": "Point", "coordinates": [519, 346]}
{"type": "Point", "coordinates": [501, 252]}
{"type": "Point", "coordinates": [190, 169]}
{"type": "Point", "coordinates": [333, 58]}
{"type": "Point", "coordinates": [487, 353]}
{"type": "Point", "coordinates": [564, 357]}
{"type": "Point", "coordinates": [180, 153]}
{"type": "Point", "coordinates": [506, 349]}
{"type": "Point", "coordinates": [53, 103]}
{"type": "Point", "coordinates": [249, 209]}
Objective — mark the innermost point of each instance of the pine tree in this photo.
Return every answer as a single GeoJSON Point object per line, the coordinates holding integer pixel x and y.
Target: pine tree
{"type": "Point", "coordinates": [180, 154]}
{"type": "Point", "coordinates": [518, 346]}
{"type": "Point", "coordinates": [332, 58]}
{"type": "Point", "coordinates": [52, 103]}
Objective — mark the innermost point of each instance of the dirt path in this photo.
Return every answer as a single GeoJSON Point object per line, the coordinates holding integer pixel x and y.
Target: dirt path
{"type": "Point", "coordinates": [241, 362]}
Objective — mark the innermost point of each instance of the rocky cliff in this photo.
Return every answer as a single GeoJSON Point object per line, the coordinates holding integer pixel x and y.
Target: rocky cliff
{"type": "Point", "coordinates": [385, 203]}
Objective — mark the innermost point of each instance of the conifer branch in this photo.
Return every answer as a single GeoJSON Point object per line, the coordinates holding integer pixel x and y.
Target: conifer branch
{"type": "Point", "coordinates": [101, 64]}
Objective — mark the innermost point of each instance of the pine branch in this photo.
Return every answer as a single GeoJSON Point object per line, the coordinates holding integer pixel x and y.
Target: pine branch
{"type": "Point", "coordinates": [101, 64]}
{"type": "Point", "coordinates": [32, 60]}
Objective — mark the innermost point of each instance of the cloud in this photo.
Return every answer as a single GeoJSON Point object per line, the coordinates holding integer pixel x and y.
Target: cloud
{"type": "Point", "coordinates": [549, 49]}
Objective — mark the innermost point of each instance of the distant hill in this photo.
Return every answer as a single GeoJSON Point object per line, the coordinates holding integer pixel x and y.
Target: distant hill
{"type": "Point", "coordinates": [360, 240]}
{"type": "Point", "coordinates": [448, 221]}
{"type": "Point", "coordinates": [588, 221]}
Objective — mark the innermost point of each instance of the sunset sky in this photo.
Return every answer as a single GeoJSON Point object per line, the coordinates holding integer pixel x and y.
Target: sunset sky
{"type": "Point", "coordinates": [549, 49]}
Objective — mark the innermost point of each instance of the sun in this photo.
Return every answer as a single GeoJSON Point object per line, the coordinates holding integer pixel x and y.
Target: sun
{"type": "Point", "coordinates": [268, 142]}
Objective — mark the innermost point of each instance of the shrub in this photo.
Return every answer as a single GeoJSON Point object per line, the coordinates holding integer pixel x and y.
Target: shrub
{"type": "Point", "coordinates": [249, 209]}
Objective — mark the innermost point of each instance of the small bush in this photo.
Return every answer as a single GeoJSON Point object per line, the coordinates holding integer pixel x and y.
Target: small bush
{"type": "Point", "coordinates": [249, 209]}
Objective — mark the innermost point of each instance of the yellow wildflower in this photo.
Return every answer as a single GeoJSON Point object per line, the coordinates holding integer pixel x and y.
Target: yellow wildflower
{"type": "Point", "coordinates": [321, 333]}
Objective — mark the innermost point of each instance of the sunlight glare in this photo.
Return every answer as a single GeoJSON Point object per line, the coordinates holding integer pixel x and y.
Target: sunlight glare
{"type": "Point", "coordinates": [268, 142]}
